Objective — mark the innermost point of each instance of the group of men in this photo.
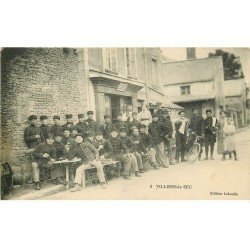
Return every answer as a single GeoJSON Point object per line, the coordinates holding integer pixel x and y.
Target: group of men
{"type": "Point", "coordinates": [126, 140]}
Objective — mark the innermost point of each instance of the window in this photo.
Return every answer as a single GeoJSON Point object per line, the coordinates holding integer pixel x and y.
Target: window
{"type": "Point", "coordinates": [185, 90]}
{"type": "Point", "coordinates": [111, 59]}
{"type": "Point", "coordinates": [131, 61]}
{"type": "Point", "coordinates": [154, 72]}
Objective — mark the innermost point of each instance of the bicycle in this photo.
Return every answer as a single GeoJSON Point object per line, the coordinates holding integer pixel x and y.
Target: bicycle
{"type": "Point", "coordinates": [195, 149]}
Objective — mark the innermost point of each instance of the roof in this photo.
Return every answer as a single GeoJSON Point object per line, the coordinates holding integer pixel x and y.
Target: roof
{"type": "Point", "coordinates": [193, 70]}
{"type": "Point", "coordinates": [234, 87]}
{"type": "Point", "coordinates": [192, 98]}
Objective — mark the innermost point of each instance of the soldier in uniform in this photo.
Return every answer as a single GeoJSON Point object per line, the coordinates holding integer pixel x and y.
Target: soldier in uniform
{"type": "Point", "coordinates": [91, 123]}
{"type": "Point", "coordinates": [81, 126]}
{"type": "Point", "coordinates": [159, 111]}
{"type": "Point", "coordinates": [136, 157]}
{"type": "Point", "coordinates": [196, 126]}
{"type": "Point", "coordinates": [69, 123]}
{"type": "Point", "coordinates": [157, 131]}
{"type": "Point", "coordinates": [89, 156]}
{"type": "Point", "coordinates": [46, 129]}
{"type": "Point", "coordinates": [43, 154]}
{"type": "Point", "coordinates": [210, 129]}
{"type": "Point", "coordinates": [33, 134]}
{"type": "Point", "coordinates": [146, 140]}
{"type": "Point", "coordinates": [119, 124]}
{"type": "Point", "coordinates": [134, 122]}
{"type": "Point", "coordinates": [121, 152]}
{"type": "Point", "coordinates": [106, 127]}
{"type": "Point", "coordinates": [56, 129]}
{"type": "Point", "coordinates": [181, 128]}
{"type": "Point", "coordinates": [69, 144]}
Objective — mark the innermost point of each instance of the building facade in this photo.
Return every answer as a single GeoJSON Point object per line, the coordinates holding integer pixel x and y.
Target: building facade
{"type": "Point", "coordinates": [195, 83]}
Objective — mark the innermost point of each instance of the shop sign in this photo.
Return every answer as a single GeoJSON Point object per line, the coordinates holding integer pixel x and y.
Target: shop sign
{"type": "Point", "coordinates": [122, 87]}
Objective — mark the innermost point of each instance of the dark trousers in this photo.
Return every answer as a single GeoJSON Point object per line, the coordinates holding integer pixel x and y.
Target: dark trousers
{"type": "Point", "coordinates": [210, 140]}
{"type": "Point", "coordinates": [180, 146]}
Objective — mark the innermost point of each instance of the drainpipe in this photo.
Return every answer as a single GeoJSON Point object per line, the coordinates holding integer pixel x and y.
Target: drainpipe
{"type": "Point", "coordinates": [146, 76]}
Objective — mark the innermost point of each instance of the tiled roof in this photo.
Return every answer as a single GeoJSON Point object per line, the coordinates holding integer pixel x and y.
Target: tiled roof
{"type": "Point", "coordinates": [194, 70]}
{"type": "Point", "coordinates": [192, 98]}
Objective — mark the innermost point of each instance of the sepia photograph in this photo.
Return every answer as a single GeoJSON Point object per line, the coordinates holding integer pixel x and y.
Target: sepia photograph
{"type": "Point", "coordinates": [125, 123]}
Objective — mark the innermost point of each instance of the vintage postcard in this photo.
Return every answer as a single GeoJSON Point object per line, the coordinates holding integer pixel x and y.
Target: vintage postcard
{"type": "Point", "coordinates": [125, 123]}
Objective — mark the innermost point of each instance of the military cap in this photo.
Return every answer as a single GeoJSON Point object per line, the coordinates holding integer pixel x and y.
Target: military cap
{"type": "Point", "coordinates": [80, 115]}
{"type": "Point", "coordinates": [56, 117]}
{"type": "Point", "coordinates": [113, 128]}
{"type": "Point", "coordinates": [142, 126]}
{"type": "Point", "coordinates": [43, 117]}
{"type": "Point", "coordinates": [122, 130]}
{"type": "Point", "coordinates": [90, 112]}
{"type": "Point", "coordinates": [50, 136]}
{"type": "Point", "coordinates": [90, 133]}
{"type": "Point", "coordinates": [32, 117]}
{"type": "Point", "coordinates": [68, 116]}
{"type": "Point", "coordinates": [155, 115]}
{"type": "Point", "coordinates": [106, 116]}
{"type": "Point", "coordinates": [208, 111]}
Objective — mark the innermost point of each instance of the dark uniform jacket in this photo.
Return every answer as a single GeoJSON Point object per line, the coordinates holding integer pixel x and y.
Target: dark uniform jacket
{"type": "Point", "coordinates": [72, 145]}
{"type": "Point", "coordinates": [146, 140]}
{"type": "Point", "coordinates": [86, 151]}
{"type": "Point", "coordinates": [140, 147]}
{"type": "Point", "coordinates": [30, 136]}
{"type": "Point", "coordinates": [61, 152]}
{"type": "Point", "coordinates": [121, 124]}
{"type": "Point", "coordinates": [92, 125]}
{"type": "Point", "coordinates": [168, 126]}
{"type": "Point", "coordinates": [196, 124]}
{"type": "Point", "coordinates": [56, 129]}
{"type": "Point", "coordinates": [46, 130]}
{"type": "Point", "coordinates": [106, 129]}
{"type": "Point", "coordinates": [118, 146]}
{"type": "Point", "coordinates": [159, 112]}
{"type": "Point", "coordinates": [41, 149]}
{"type": "Point", "coordinates": [107, 151]}
{"type": "Point", "coordinates": [82, 128]}
{"type": "Point", "coordinates": [70, 126]}
{"type": "Point", "coordinates": [157, 131]}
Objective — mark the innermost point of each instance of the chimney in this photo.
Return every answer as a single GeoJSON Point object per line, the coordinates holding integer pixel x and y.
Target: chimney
{"type": "Point", "coordinates": [191, 53]}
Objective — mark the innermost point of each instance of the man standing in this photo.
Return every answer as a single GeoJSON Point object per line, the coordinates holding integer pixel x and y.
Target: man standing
{"type": "Point", "coordinates": [210, 128]}
{"type": "Point", "coordinates": [33, 134]}
{"type": "Point", "coordinates": [181, 128]}
{"type": "Point", "coordinates": [157, 131]}
{"type": "Point", "coordinates": [46, 129]}
{"type": "Point", "coordinates": [166, 120]}
{"type": "Point", "coordinates": [56, 129]}
{"type": "Point", "coordinates": [43, 154]}
{"type": "Point", "coordinates": [90, 157]}
{"type": "Point", "coordinates": [158, 111]}
{"type": "Point", "coordinates": [91, 123]}
{"type": "Point", "coordinates": [106, 127]}
{"type": "Point", "coordinates": [81, 126]}
{"type": "Point", "coordinates": [69, 123]}
{"type": "Point", "coordinates": [196, 126]}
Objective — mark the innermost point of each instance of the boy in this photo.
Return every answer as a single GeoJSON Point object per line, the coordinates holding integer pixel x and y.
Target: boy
{"type": "Point", "coordinates": [91, 123]}
{"type": "Point", "coordinates": [45, 128]}
{"type": "Point", "coordinates": [81, 126]}
{"type": "Point", "coordinates": [103, 146]}
{"type": "Point", "coordinates": [56, 128]}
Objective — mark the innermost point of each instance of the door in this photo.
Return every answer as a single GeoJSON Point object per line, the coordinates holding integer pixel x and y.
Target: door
{"type": "Point", "coordinates": [115, 107]}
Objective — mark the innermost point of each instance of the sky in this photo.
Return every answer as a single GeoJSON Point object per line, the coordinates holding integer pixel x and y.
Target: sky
{"type": "Point", "coordinates": [243, 53]}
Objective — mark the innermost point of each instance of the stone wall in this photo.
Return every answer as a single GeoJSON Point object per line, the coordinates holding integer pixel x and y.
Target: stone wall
{"type": "Point", "coordinates": [40, 81]}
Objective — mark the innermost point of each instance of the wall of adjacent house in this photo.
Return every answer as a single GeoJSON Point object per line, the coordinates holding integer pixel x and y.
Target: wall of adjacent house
{"type": "Point", "coordinates": [40, 81]}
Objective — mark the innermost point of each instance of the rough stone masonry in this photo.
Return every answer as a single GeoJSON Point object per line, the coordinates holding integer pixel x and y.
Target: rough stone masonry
{"type": "Point", "coordinates": [39, 81]}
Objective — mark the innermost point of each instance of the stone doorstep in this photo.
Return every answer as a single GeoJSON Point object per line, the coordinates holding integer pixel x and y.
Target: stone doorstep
{"type": "Point", "coordinates": [38, 194]}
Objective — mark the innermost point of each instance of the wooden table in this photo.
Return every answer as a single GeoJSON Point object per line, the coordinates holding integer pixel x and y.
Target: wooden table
{"type": "Point", "coordinates": [67, 164]}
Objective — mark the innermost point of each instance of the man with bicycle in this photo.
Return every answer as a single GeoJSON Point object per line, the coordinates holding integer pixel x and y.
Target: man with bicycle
{"type": "Point", "coordinates": [196, 126]}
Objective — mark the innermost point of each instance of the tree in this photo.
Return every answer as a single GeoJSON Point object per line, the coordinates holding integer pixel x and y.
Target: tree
{"type": "Point", "coordinates": [231, 64]}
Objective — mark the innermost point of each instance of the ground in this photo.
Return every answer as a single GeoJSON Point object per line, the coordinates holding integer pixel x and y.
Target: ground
{"type": "Point", "coordinates": [182, 181]}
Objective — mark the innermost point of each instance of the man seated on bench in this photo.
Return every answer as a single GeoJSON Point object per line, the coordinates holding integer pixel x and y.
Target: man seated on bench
{"type": "Point", "coordinates": [90, 158]}
{"type": "Point", "coordinates": [43, 154]}
{"type": "Point", "coordinates": [121, 153]}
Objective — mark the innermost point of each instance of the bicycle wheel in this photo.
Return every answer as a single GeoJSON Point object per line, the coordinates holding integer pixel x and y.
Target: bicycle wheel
{"type": "Point", "coordinates": [193, 153]}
